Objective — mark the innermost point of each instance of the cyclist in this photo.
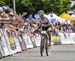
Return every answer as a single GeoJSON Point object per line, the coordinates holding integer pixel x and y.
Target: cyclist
{"type": "Point", "coordinates": [44, 25]}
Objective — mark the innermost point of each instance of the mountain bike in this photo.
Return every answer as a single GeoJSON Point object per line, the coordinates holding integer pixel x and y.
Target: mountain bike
{"type": "Point", "coordinates": [44, 43]}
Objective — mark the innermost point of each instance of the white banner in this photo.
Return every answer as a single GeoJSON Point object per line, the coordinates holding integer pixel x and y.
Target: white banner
{"type": "Point", "coordinates": [22, 43]}
{"type": "Point", "coordinates": [4, 44]}
{"type": "Point", "coordinates": [28, 42]}
{"type": "Point", "coordinates": [37, 39]}
{"type": "Point", "coordinates": [18, 47]}
{"type": "Point", "coordinates": [12, 42]}
{"type": "Point", "coordinates": [67, 38]}
{"type": "Point", "coordinates": [1, 51]}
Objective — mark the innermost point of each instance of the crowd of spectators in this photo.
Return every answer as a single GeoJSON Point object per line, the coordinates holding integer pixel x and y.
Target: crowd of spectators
{"type": "Point", "coordinates": [9, 18]}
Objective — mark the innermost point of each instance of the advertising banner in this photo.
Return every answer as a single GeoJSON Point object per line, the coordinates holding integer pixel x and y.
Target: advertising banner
{"type": "Point", "coordinates": [37, 39]}
{"type": "Point", "coordinates": [4, 44]}
{"type": "Point", "coordinates": [67, 38]}
{"type": "Point", "coordinates": [33, 41]}
{"type": "Point", "coordinates": [22, 43]}
{"type": "Point", "coordinates": [18, 47]}
{"type": "Point", "coordinates": [28, 41]}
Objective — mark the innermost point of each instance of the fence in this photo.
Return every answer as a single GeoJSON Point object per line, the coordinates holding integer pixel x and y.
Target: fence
{"type": "Point", "coordinates": [11, 44]}
{"type": "Point", "coordinates": [63, 38]}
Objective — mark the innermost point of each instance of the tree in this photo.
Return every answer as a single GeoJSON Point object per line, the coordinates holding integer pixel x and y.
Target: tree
{"type": "Point", "coordinates": [2, 3]}
{"type": "Point", "coordinates": [59, 6]}
{"type": "Point", "coordinates": [33, 6]}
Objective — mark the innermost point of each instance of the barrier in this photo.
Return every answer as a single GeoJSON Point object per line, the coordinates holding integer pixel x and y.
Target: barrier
{"type": "Point", "coordinates": [55, 39]}
{"type": "Point", "coordinates": [4, 44]}
{"type": "Point", "coordinates": [18, 48]}
{"type": "Point", "coordinates": [33, 40]}
{"type": "Point", "coordinates": [37, 39]}
{"type": "Point", "coordinates": [11, 44]}
{"type": "Point", "coordinates": [1, 51]}
{"type": "Point", "coordinates": [63, 38]}
{"type": "Point", "coordinates": [67, 38]}
{"type": "Point", "coordinates": [0, 46]}
{"type": "Point", "coordinates": [27, 40]}
{"type": "Point", "coordinates": [22, 43]}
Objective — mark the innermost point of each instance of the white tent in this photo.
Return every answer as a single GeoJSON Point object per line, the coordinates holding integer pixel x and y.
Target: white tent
{"type": "Point", "coordinates": [52, 17]}
{"type": "Point", "coordinates": [73, 16]}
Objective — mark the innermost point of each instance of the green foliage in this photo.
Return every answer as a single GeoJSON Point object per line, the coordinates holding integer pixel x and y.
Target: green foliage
{"type": "Point", "coordinates": [2, 3]}
{"type": "Point", "coordinates": [32, 6]}
{"type": "Point", "coordinates": [73, 7]}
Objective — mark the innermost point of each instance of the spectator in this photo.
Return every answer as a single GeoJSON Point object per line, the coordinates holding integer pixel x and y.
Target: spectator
{"type": "Point", "coordinates": [1, 11]}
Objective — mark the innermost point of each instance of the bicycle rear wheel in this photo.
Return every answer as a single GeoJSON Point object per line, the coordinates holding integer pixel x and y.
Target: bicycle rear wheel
{"type": "Point", "coordinates": [44, 44]}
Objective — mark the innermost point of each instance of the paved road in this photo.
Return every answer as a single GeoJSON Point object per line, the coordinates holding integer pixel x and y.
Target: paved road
{"type": "Point", "coordinates": [57, 53]}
